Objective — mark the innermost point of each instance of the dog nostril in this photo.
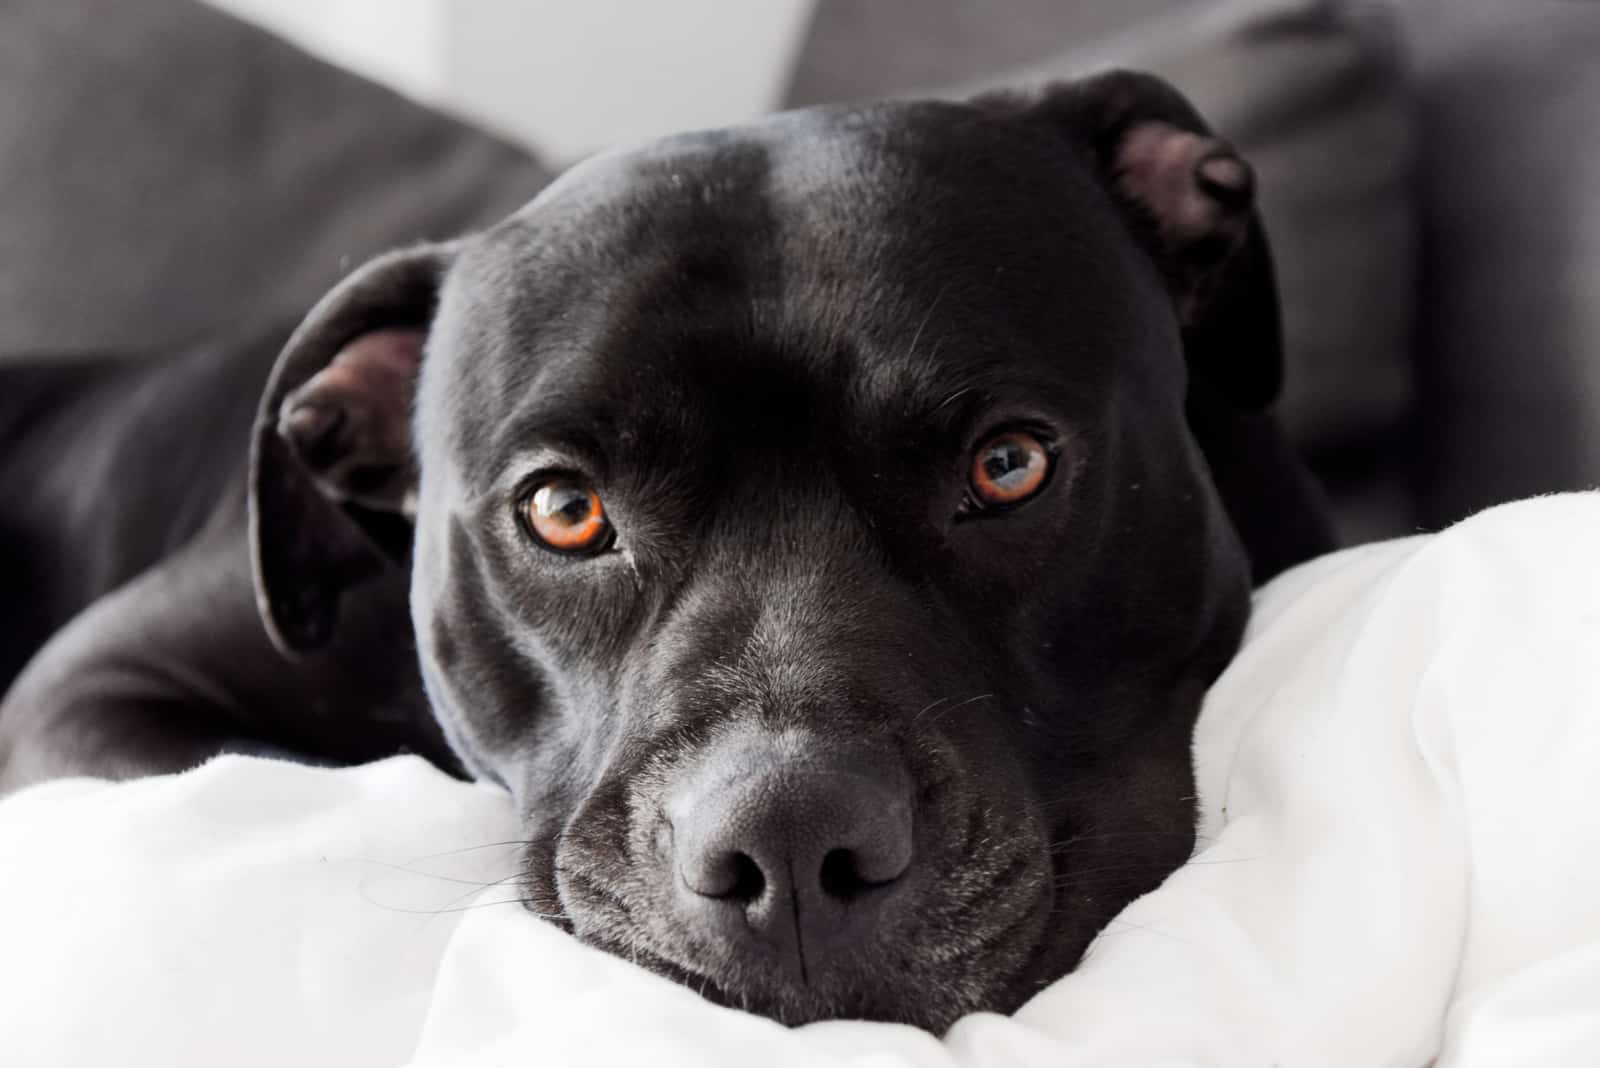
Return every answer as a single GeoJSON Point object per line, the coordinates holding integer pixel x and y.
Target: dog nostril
{"type": "Point", "coordinates": [748, 882]}
{"type": "Point", "coordinates": [841, 875]}
{"type": "Point", "coordinates": [727, 876]}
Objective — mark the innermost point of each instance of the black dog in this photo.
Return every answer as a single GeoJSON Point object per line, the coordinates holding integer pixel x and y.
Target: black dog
{"type": "Point", "coordinates": [826, 530]}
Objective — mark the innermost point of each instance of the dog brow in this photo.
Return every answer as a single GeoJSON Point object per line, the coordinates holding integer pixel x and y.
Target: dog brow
{"type": "Point", "coordinates": [564, 429]}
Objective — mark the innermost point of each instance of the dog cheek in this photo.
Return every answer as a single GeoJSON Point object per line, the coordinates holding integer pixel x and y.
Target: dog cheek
{"type": "Point", "coordinates": [603, 863]}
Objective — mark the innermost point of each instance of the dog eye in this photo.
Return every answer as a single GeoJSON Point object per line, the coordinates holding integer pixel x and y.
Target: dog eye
{"type": "Point", "coordinates": [1008, 469]}
{"type": "Point", "coordinates": [567, 516]}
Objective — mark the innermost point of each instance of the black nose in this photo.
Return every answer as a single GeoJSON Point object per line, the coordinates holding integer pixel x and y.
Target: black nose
{"type": "Point", "coordinates": [802, 857]}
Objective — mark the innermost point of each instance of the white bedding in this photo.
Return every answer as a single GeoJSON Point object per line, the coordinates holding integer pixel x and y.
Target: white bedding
{"type": "Point", "coordinates": [1400, 861]}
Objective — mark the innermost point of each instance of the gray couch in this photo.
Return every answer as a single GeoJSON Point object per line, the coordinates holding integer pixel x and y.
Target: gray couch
{"type": "Point", "coordinates": [1429, 174]}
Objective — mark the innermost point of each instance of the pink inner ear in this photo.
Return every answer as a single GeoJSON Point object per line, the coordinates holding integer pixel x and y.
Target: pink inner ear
{"type": "Point", "coordinates": [350, 424]}
{"type": "Point", "coordinates": [1194, 186]}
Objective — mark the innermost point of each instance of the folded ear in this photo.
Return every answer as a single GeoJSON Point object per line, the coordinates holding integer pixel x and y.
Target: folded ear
{"type": "Point", "coordinates": [1191, 199]}
{"type": "Point", "coordinates": [332, 478]}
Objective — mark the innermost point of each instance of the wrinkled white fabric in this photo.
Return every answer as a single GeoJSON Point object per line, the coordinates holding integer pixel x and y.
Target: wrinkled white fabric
{"type": "Point", "coordinates": [1399, 861]}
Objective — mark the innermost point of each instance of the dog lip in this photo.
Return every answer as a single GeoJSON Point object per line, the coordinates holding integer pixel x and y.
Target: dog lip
{"type": "Point", "coordinates": [884, 976]}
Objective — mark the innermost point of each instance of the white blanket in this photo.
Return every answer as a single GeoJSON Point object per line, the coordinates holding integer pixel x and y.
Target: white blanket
{"type": "Point", "coordinates": [1399, 861]}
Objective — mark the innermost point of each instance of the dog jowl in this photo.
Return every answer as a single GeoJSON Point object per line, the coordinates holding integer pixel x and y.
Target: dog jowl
{"type": "Point", "coordinates": [809, 526]}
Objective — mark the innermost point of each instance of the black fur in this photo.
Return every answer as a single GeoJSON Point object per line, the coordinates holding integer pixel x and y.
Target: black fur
{"type": "Point", "coordinates": [773, 351]}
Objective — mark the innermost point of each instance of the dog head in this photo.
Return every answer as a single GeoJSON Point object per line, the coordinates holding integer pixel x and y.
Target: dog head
{"type": "Point", "coordinates": [805, 529]}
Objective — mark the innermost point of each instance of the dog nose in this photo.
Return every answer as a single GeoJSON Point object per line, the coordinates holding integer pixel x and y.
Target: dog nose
{"type": "Point", "coordinates": [804, 856]}
{"type": "Point", "coordinates": [822, 834]}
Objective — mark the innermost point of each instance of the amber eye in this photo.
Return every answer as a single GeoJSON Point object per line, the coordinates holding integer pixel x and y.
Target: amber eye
{"type": "Point", "coordinates": [1009, 468]}
{"type": "Point", "coordinates": [567, 516]}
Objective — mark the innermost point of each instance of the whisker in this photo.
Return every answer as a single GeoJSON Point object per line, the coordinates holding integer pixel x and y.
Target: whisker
{"type": "Point", "coordinates": [960, 705]}
{"type": "Point", "coordinates": [1141, 927]}
{"type": "Point", "coordinates": [1064, 846]}
{"type": "Point", "coordinates": [927, 708]}
{"type": "Point", "coordinates": [480, 884]}
{"type": "Point", "coordinates": [927, 317]}
{"type": "Point", "coordinates": [469, 849]}
{"type": "Point", "coordinates": [1104, 869]}
{"type": "Point", "coordinates": [957, 395]}
{"type": "Point", "coordinates": [442, 910]}
{"type": "Point", "coordinates": [448, 906]}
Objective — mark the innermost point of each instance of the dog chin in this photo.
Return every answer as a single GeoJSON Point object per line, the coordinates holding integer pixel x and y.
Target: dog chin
{"type": "Point", "coordinates": [930, 996]}
{"type": "Point", "coordinates": [931, 1006]}
{"type": "Point", "coordinates": [930, 1010]}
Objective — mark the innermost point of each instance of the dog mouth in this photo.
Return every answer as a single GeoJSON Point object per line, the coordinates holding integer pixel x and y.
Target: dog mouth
{"type": "Point", "coordinates": [964, 927]}
{"type": "Point", "coordinates": [995, 905]}
{"type": "Point", "coordinates": [993, 961]}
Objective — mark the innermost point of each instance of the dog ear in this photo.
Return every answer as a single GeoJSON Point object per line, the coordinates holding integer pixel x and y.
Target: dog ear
{"type": "Point", "coordinates": [332, 477]}
{"type": "Point", "coordinates": [1191, 200]}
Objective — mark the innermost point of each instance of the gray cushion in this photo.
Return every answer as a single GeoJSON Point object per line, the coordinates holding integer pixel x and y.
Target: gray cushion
{"type": "Point", "coordinates": [170, 171]}
{"type": "Point", "coordinates": [855, 50]}
{"type": "Point", "coordinates": [1314, 94]}
{"type": "Point", "coordinates": [1509, 196]}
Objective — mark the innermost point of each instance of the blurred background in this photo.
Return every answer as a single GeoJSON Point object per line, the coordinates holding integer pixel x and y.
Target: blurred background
{"type": "Point", "coordinates": [1430, 169]}
{"type": "Point", "coordinates": [567, 76]}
